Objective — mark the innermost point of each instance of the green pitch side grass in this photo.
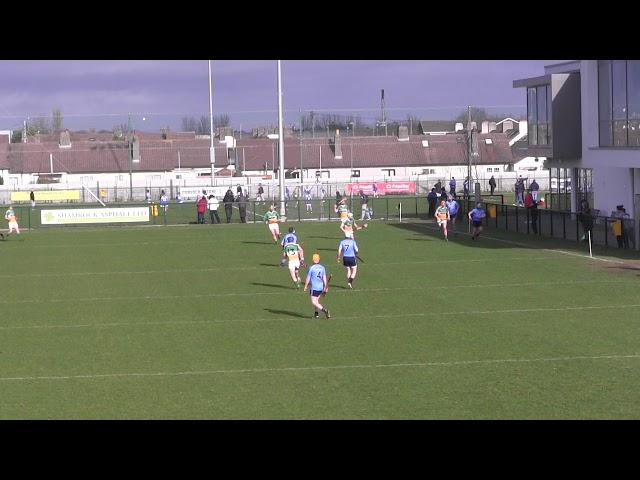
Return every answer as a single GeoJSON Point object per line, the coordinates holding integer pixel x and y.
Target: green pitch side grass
{"type": "Point", "coordinates": [200, 322]}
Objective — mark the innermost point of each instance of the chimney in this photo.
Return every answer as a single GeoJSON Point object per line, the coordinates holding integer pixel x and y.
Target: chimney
{"type": "Point", "coordinates": [485, 127]}
{"type": "Point", "coordinates": [492, 127]}
{"type": "Point", "coordinates": [403, 133]}
{"type": "Point", "coordinates": [459, 127]}
{"type": "Point", "coordinates": [337, 146]}
{"type": "Point", "coordinates": [65, 139]}
{"type": "Point", "coordinates": [135, 146]}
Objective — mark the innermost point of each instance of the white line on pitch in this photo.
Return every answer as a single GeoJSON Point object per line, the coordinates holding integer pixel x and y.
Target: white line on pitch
{"type": "Point", "coordinates": [323, 368]}
{"type": "Point", "coordinates": [282, 319]}
{"type": "Point", "coordinates": [292, 290]}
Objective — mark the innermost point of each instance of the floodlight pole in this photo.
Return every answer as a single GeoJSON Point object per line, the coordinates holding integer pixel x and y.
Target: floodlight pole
{"type": "Point", "coordinates": [212, 152]}
{"type": "Point", "coordinates": [469, 153]}
{"type": "Point", "coordinates": [130, 145]}
{"type": "Point", "coordinates": [280, 142]}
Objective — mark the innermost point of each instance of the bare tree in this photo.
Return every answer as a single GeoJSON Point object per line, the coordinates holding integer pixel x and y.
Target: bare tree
{"type": "Point", "coordinates": [189, 124]}
{"type": "Point", "coordinates": [57, 119]}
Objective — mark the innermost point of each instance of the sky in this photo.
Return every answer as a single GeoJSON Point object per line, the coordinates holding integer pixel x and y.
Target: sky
{"type": "Point", "coordinates": [100, 93]}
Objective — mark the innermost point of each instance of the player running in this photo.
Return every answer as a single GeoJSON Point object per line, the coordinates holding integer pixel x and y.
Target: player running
{"type": "Point", "coordinates": [442, 216]}
{"type": "Point", "coordinates": [348, 224]}
{"type": "Point", "coordinates": [475, 216]}
{"type": "Point", "coordinates": [317, 275]}
{"type": "Point", "coordinates": [271, 218]}
{"type": "Point", "coordinates": [10, 216]}
{"type": "Point", "coordinates": [289, 237]}
{"type": "Point", "coordinates": [295, 254]}
{"type": "Point", "coordinates": [348, 249]}
{"type": "Point", "coordinates": [453, 206]}
{"type": "Point", "coordinates": [342, 209]}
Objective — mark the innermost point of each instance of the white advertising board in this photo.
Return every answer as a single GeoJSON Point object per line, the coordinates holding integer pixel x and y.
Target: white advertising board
{"type": "Point", "coordinates": [69, 216]}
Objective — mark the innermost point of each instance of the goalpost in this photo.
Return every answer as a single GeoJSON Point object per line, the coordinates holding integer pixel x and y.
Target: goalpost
{"type": "Point", "coordinates": [91, 193]}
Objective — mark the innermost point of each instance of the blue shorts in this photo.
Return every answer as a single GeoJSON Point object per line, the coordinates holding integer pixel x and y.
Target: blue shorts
{"type": "Point", "coordinates": [315, 293]}
{"type": "Point", "coordinates": [477, 223]}
{"type": "Point", "coordinates": [453, 215]}
{"type": "Point", "coordinates": [349, 261]}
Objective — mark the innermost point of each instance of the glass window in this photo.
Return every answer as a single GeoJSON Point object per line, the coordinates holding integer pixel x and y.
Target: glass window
{"type": "Point", "coordinates": [531, 106]}
{"type": "Point", "coordinates": [532, 132]}
{"type": "Point", "coordinates": [619, 90]}
{"type": "Point", "coordinates": [633, 88]}
{"type": "Point", "coordinates": [633, 133]}
{"type": "Point", "coordinates": [620, 133]}
{"type": "Point", "coordinates": [604, 102]}
{"type": "Point", "coordinates": [542, 134]}
{"type": "Point", "coordinates": [541, 110]}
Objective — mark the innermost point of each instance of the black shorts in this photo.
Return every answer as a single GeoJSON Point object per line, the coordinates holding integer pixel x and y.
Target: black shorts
{"type": "Point", "coordinates": [452, 216]}
{"type": "Point", "coordinates": [315, 293]}
{"type": "Point", "coordinates": [349, 261]}
{"type": "Point", "coordinates": [477, 223]}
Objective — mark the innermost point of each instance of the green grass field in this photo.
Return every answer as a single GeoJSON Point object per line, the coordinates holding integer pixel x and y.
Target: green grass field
{"type": "Point", "coordinates": [199, 322]}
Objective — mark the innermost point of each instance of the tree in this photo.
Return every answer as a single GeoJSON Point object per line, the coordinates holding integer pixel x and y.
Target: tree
{"type": "Point", "coordinates": [478, 115]}
{"type": "Point", "coordinates": [189, 124]}
{"type": "Point", "coordinates": [57, 119]}
{"type": "Point", "coordinates": [16, 136]}
{"type": "Point", "coordinates": [38, 125]}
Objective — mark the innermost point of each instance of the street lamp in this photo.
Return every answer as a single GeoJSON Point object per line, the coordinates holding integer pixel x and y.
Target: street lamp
{"type": "Point", "coordinates": [130, 135]}
{"type": "Point", "coordinates": [353, 128]}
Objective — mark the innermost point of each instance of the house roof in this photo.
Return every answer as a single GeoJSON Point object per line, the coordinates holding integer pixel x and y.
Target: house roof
{"type": "Point", "coordinates": [251, 154]}
{"type": "Point", "coordinates": [437, 126]}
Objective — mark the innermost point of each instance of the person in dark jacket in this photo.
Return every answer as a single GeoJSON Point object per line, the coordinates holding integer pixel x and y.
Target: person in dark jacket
{"type": "Point", "coordinates": [492, 184]}
{"type": "Point", "coordinates": [242, 207]}
{"type": "Point", "coordinates": [432, 198]}
{"type": "Point", "coordinates": [585, 217]}
{"type": "Point", "coordinates": [228, 204]}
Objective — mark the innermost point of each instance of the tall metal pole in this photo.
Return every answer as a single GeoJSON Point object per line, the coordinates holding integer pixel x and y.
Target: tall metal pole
{"type": "Point", "coordinates": [130, 145]}
{"type": "Point", "coordinates": [280, 141]}
{"type": "Point", "coordinates": [212, 151]}
{"type": "Point", "coordinates": [301, 150]}
{"type": "Point", "coordinates": [469, 153]}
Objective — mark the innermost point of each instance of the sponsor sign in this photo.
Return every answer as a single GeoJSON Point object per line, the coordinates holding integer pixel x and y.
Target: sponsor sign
{"type": "Point", "coordinates": [383, 187]}
{"type": "Point", "coordinates": [70, 216]}
{"type": "Point", "coordinates": [46, 195]}
{"type": "Point", "coordinates": [192, 193]}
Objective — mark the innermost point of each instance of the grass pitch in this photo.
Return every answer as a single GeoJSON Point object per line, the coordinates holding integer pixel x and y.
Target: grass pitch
{"type": "Point", "coordinates": [200, 322]}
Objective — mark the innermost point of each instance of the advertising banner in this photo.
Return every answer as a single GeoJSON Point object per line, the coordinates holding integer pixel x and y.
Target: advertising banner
{"type": "Point", "coordinates": [191, 193]}
{"type": "Point", "coordinates": [69, 216]}
{"type": "Point", "coordinates": [46, 195]}
{"type": "Point", "coordinates": [383, 187]}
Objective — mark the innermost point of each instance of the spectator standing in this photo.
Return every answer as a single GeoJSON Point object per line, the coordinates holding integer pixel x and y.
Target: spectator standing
{"type": "Point", "coordinates": [179, 198]}
{"type": "Point", "coordinates": [585, 217]}
{"type": "Point", "coordinates": [239, 189]}
{"type": "Point", "coordinates": [364, 202]}
{"type": "Point", "coordinates": [452, 187]}
{"type": "Point", "coordinates": [444, 196]}
{"type": "Point", "coordinates": [492, 184]}
{"type": "Point", "coordinates": [621, 226]}
{"type": "Point", "coordinates": [627, 229]}
{"type": "Point", "coordinates": [228, 204]}
{"type": "Point", "coordinates": [164, 201]}
{"type": "Point", "coordinates": [32, 196]}
{"type": "Point", "coordinates": [242, 207]}
{"type": "Point", "coordinates": [308, 198]}
{"type": "Point", "coordinates": [532, 209]}
{"type": "Point", "coordinates": [534, 187]}
{"type": "Point", "coordinates": [432, 199]}
{"type": "Point", "coordinates": [438, 186]}
{"type": "Point", "coordinates": [259, 197]}
{"type": "Point", "coordinates": [213, 204]}
{"type": "Point", "coordinates": [465, 187]}
{"type": "Point", "coordinates": [147, 195]}
{"type": "Point", "coordinates": [375, 190]}
{"type": "Point", "coordinates": [201, 207]}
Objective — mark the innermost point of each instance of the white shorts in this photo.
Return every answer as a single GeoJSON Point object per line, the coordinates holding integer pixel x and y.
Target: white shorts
{"type": "Point", "coordinates": [348, 233]}
{"type": "Point", "coordinates": [442, 222]}
{"type": "Point", "coordinates": [13, 226]}
{"type": "Point", "coordinates": [274, 227]}
{"type": "Point", "coordinates": [293, 264]}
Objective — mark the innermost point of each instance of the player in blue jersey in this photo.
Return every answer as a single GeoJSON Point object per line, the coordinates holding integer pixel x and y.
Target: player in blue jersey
{"type": "Point", "coordinates": [317, 276]}
{"type": "Point", "coordinates": [290, 237]}
{"type": "Point", "coordinates": [348, 249]}
{"type": "Point", "coordinates": [453, 206]}
{"type": "Point", "coordinates": [475, 217]}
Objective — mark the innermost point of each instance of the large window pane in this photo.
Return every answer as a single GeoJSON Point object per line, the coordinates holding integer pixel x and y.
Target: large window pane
{"type": "Point", "coordinates": [633, 88]}
{"type": "Point", "coordinates": [532, 117]}
{"type": "Point", "coordinates": [541, 97]}
{"type": "Point", "coordinates": [532, 133]}
{"type": "Point", "coordinates": [542, 134]}
{"type": "Point", "coordinates": [620, 133]}
{"type": "Point", "coordinates": [633, 133]}
{"type": "Point", "coordinates": [549, 111]}
{"type": "Point", "coordinates": [619, 89]}
{"type": "Point", "coordinates": [604, 102]}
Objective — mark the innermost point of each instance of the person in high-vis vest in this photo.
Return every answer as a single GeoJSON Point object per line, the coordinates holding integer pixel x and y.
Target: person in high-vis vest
{"type": "Point", "coordinates": [10, 216]}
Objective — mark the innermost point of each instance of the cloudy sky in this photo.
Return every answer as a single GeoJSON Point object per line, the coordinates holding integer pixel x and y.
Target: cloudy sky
{"type": "Point", "coordinates": [102, 93]}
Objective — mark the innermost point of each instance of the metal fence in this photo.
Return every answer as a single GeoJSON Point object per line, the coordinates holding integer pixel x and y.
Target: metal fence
{"type": "Point", "coordinates": [500, 216]}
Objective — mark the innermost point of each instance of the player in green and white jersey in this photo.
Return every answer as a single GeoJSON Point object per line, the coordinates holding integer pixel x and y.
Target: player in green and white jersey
{"type": "Point", "coordinates": [271, 218]}
{"type": "Point", "coordinates": [295, 254]}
